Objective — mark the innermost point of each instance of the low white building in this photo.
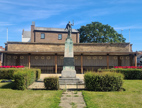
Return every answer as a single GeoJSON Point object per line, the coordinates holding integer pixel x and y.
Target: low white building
{"type": "Point", "coordinates": [26, 36]}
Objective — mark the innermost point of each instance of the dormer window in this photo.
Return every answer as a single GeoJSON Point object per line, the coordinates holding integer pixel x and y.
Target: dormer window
{"type": "Point", "coordinates": [42, 36]}
{"type": "Point", "coordinates": [59, 36]}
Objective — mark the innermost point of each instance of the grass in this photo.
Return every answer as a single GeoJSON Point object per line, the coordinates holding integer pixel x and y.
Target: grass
{"type": "Point", "coordinates": [76, 96]}
{"type": "Point", "coordinates": [131, 98]}
{"type": "Point", "coordinates": [75, 92]}
{"type": "Point", "coordinates": [29, 98]}
{"type": "Point", "coordinates": [73, 105]}
{"type": "Point", "coordinates": [68, 95]}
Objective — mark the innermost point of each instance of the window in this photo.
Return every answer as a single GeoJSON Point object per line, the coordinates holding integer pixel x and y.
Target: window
{"type": "Point", "coordinates": [42, 36]}
{"type": "Point", "coordinates": [59, 36]}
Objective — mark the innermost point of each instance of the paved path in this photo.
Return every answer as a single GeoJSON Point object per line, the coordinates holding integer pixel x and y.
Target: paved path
{"type": "Point", "coordinates": [37, 85]}
{"type": "Point", "coordinates": [72, 99]}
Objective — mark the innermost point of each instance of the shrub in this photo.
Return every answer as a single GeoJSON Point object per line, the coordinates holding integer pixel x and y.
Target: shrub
{"type": "Point", "coordinates": [103, 81]}
{"type": "Point", "coordinates": [38, 72]}
{"type": "Point", "coordinates": [19, 81]}
{"type": "Point", "coordinates": [7, 73]}
{"type": "Point", "coordinates": [128, 73]}
{"type": "Point", "coordinates": [51, 83]}
{"type": "Point", "coordinates": [23, 78]}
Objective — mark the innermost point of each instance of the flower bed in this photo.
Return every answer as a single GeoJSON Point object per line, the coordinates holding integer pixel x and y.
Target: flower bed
{"type": "Point", "coordinates": [11, 66]}
{"type": "Point", "coordinates": [129, 67]}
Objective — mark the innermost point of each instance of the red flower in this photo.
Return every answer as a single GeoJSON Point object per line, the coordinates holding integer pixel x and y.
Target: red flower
{"type": "Point", "coordinates": [11, 66]}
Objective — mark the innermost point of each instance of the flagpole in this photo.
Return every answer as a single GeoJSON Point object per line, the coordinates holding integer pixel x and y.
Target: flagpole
{"type": "Point", "coordinates": [129, 40]}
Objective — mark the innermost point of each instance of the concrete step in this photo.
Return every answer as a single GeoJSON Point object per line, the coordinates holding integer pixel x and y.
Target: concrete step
{"type": "Point", "coordinates": [68, 81]}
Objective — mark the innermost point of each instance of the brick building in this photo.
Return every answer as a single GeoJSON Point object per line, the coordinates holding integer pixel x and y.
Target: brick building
{"type": "Point", "coordinates": [44, 49]}
{"type": "Point", "coordinates": [1, 55]}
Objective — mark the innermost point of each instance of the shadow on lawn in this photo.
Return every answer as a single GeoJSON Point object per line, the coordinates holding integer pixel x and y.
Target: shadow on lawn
{"type": "Point", "coordinates": [7, 85]}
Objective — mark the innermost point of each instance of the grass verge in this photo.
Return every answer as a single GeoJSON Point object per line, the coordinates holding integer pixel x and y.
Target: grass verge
{"type": "Point", "coordinates": [28, 98]}
{"type": "Point", "coordinates": [131, 98]}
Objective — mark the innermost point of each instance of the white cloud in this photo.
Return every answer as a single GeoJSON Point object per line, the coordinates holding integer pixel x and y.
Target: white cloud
{"type": "Point", "coordinates": [5, 24]}
{"type": "Point", "coordinates": [123, 1]}
{"type": "Point", "coordinates": [17, 3]}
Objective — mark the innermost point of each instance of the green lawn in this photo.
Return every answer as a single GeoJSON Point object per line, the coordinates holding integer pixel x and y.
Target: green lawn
{"type": "Point", "coordinates": [131, 98]}
{"type": "Point", "coordinates": [29, 98]}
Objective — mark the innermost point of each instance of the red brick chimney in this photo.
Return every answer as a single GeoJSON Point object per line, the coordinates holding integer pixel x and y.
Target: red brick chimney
{"type": "Point", "coordinates": [32, 32]}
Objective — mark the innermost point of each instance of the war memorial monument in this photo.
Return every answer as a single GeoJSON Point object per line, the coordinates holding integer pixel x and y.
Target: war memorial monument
{"type": "Point", "coordinates": [68, 74]}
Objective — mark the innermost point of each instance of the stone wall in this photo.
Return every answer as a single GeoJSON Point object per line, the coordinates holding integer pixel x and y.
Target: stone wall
{"type": "Point", "coordinates": [82, 47]}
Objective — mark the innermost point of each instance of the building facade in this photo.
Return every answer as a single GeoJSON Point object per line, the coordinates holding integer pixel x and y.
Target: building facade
{"type": "Point", "coordinates": [1, 55]}
{"type": "Point", "coordinates": [46, 51]}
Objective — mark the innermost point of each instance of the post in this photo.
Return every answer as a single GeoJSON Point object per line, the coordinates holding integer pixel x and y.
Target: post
{"type": "Point", "coordinates": [18, 60]}
{"type": "Point", "coordinates": [131, 60]}
{"type": "Point", "coordinates": [107, 61]}
{"type": "Point", "coordinates": [81, 64]}
{"type": "Point", "coordinates": [4, 60]}
{"type": "Point", "coordinates": [135, 59]}
{"type": "Point", "coordinates": [56, 63]}
{"type": "Point", "coordinates": [29, 61]}
{"type": "Point", "coordinates": [119, 61]}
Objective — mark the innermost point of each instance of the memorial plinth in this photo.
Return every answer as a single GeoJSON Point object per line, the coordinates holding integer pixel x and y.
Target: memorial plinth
{"type": "Point", "coordinates": [68, 67]}
{"type": "Point", "coordinates": [68, 74]}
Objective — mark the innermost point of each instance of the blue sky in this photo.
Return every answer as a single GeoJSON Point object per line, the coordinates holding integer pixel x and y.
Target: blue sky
{"type": "Point", "coordinates": [120, 14]}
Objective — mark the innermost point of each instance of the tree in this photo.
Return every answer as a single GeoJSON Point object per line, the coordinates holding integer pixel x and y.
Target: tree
{"type": "Point", "coordinates": [96, 32]}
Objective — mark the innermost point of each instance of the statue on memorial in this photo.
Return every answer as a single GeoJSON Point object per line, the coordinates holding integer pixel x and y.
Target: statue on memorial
{"type": "Point", "coordinates": [68, 27]}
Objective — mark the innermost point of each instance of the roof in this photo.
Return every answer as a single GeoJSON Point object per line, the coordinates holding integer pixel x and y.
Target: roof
{"type": "Point", "coordinates": [54, 29]}
{"type": "Point", "coordinates": [118, 44]}
{"type": "Point", "coordinates": [1, 48]}
{"type": "Point", "coordinates": [26, 34]}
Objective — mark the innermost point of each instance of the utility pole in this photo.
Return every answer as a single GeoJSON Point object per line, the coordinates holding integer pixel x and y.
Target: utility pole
{"type": "Point", "coordinates": [7, 34]}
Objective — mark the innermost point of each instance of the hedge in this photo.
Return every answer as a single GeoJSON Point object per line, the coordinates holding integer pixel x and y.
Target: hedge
{"type": "Point", "coordinates": [106, 81]}
{"type": "Point", "coordinates": [8, 73]}
{"type": "Point", "coordinates": [38, 72]}
{"type": "Point", "coordinates": [128, 73]}
{"type": "Point", "coordinates": [23, 78]}
{"type": "Point", "coordinates": [51, 83]}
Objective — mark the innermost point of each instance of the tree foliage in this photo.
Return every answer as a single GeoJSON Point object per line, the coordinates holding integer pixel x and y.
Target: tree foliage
{"type": "Point", "coordinates": [97, 32]}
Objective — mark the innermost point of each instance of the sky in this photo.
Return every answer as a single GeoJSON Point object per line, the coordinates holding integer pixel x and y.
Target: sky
{"type": "Point", "coordinates": [122, 15]}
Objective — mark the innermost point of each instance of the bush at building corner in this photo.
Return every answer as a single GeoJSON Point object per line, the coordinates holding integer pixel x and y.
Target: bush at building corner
{"type": "Point", "coordinates": [51, 83]}
{"type": "Point", "coordinates": [103, 81]}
